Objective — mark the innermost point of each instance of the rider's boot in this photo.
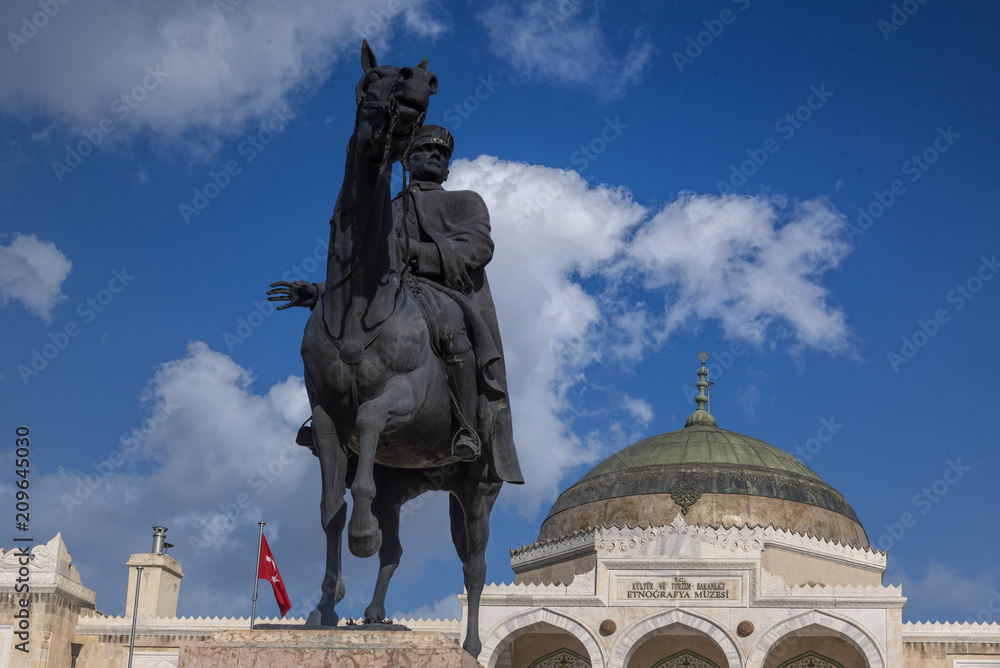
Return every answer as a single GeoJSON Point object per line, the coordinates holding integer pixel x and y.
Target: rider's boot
{"type": "Point", "coordinates": [465, 399]}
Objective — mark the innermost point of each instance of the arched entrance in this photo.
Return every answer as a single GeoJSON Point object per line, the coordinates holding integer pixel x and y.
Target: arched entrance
{"type": "Point", "coordinates": [538, 638]}
{"type": "Point", "coordinates": [668, 636]}
{"type": "Point", "coordinates": [835, 641]}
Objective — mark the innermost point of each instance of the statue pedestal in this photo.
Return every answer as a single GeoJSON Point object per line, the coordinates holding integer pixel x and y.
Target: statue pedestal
{"type": "Point", "coordinates": [321, 648]}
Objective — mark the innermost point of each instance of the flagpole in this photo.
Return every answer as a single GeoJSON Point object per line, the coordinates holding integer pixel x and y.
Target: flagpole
{"type": "Point", "coordinates": [256, 579]}
{"type": "Point", "coordinates": [135, 613]}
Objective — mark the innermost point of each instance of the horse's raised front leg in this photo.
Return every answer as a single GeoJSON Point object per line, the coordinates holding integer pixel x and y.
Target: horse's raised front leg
{"type": "Point", "coordinates": [474, 503]}
{"type": "Point", "coordinates": [363, 534]}
{"type": "Point", "coordinates": [393, 489]}
{"type": "Point", "coordinates": [333, 513]}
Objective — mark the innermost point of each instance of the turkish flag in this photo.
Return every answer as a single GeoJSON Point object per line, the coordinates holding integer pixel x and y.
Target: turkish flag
{"type": "Point", "coordinates": [268, 570]}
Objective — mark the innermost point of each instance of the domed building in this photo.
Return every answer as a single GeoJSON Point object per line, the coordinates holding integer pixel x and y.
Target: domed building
{"type": "Point", "coordinates": [705, 548]}
{"type": "Point", "coordinates": [713, 477]}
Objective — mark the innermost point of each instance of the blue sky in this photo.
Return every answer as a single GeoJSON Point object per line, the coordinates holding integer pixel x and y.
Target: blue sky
{"type": "Point", "coordinates": [806, 192]}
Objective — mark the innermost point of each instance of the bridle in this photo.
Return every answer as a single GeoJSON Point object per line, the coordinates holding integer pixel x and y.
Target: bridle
{"type": "Point", "coordinates": [391, 111]}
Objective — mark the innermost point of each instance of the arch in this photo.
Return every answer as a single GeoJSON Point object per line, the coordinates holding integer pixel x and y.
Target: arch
{"type": "Point", "coordinates": [520, 624]}
{"type": "Point", "coordinates": [846, 629]}
{"type": "Point", "coordinates": [630, 640]}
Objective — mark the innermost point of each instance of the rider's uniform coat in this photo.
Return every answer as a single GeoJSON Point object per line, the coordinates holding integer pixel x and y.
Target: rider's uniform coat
{"type": "Point", "coordinates": [451, 231]}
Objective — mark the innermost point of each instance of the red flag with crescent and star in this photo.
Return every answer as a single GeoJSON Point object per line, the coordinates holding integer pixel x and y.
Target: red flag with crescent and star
{"type": "Point", "coordinates": [268, 570]}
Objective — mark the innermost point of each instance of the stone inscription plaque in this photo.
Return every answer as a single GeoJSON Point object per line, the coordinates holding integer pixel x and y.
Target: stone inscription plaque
{"type": "Point", "coordinates": [681, 589]}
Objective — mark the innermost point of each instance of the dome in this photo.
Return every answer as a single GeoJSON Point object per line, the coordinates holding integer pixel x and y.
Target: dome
{"type": "Point", "coordinates": [712, 476]}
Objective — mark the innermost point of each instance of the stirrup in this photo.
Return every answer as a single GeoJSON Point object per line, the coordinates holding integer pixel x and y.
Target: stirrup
{"type": "Point", "coordinates": [465, 445]}
{"type": "Point", "coordinates": [304, 437]}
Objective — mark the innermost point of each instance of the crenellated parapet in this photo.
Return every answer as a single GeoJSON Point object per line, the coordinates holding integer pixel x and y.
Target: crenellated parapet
{"type": "Point", "coordinates": [951, 632]}
{"type": "Point", "coordinates": [831, 550]}
{"type": "Point", "coordinates": [775, 592]}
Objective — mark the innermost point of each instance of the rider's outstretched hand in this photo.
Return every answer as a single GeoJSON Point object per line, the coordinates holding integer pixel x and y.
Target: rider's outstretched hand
{"type": "Point", "coordinates": [299, 293]}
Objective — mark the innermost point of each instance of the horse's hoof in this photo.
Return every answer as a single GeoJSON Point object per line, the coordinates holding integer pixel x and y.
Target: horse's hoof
{"type": "Point", "coordinates": [473, 646]}
{"type": "Point", "coordinates": [363, 546]}
{"type": "Point", "coordinates": [318, 618]}
{"type": "Point", "coordinates": [374, 615]}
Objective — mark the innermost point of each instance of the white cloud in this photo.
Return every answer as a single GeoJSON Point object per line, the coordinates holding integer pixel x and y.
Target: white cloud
{"type": "Point", "coordinates": [705, 257]}
{"type": "Point", "coordinates": [447, 608]}
{"type": "Point", "coordinates": [752, 263]}
{"type": "Point", "coordinates": [562, 40]}
{"type": "Point", "coordinates": [547, 225]}
{"type": "Point", "coordinates": [218, 69]}
{"type": "Point", "coordinates": [32, 271]}
{"type": "Point", "coordinates": [212, 459]}
{"type": "Point", "coordinates": [946, 589]}
{"type": "Point", "coordinates": [639, 409]}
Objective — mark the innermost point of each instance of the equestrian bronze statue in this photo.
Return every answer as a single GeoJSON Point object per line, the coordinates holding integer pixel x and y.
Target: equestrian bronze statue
{"type": "Point", "coordinates": [402, 354]}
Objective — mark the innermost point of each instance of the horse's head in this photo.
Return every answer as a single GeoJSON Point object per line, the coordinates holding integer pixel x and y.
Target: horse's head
{"type": "Point", "coordinates": [391, 97]}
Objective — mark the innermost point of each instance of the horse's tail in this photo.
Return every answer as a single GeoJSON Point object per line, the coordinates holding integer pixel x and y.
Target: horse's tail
{"type": "Point", "coordinates": [458, 534]}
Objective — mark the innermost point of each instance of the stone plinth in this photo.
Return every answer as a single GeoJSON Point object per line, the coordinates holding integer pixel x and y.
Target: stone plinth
{"type": "Point", "coordinates": [316, 648]}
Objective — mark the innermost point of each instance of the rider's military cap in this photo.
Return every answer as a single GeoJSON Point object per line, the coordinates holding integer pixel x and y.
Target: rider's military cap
{"type": "Point", "coordinates": [433, 134]}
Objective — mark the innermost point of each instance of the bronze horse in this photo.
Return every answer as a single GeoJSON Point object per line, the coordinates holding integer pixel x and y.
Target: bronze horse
{"type": "Point", "coordinates": [381, 411]}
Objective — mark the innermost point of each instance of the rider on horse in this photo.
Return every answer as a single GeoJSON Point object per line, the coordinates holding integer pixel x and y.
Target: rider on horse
{"type": "Point", "coordinates": [445, 245]}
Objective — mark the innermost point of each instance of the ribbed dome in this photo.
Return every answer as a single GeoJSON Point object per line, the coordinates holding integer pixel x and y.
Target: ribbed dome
{"type": "Point", "coordinates": [715, 477]}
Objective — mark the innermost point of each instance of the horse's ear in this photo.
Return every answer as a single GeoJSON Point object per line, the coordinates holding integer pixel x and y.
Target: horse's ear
{"type": "Point", "coordinates": [423, 64]}
{"type": "Point", "coordinates": [368, 61]}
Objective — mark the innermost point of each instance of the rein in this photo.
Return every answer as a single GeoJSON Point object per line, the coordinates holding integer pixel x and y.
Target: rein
{"type": "Point", "coordinates": [393, 111]}
{"type": "Point", "coordinates": [352, 352]}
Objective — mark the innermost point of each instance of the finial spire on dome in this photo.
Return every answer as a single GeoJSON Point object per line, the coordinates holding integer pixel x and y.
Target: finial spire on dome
{"type": "Point", "coordinates": [701, 417]}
